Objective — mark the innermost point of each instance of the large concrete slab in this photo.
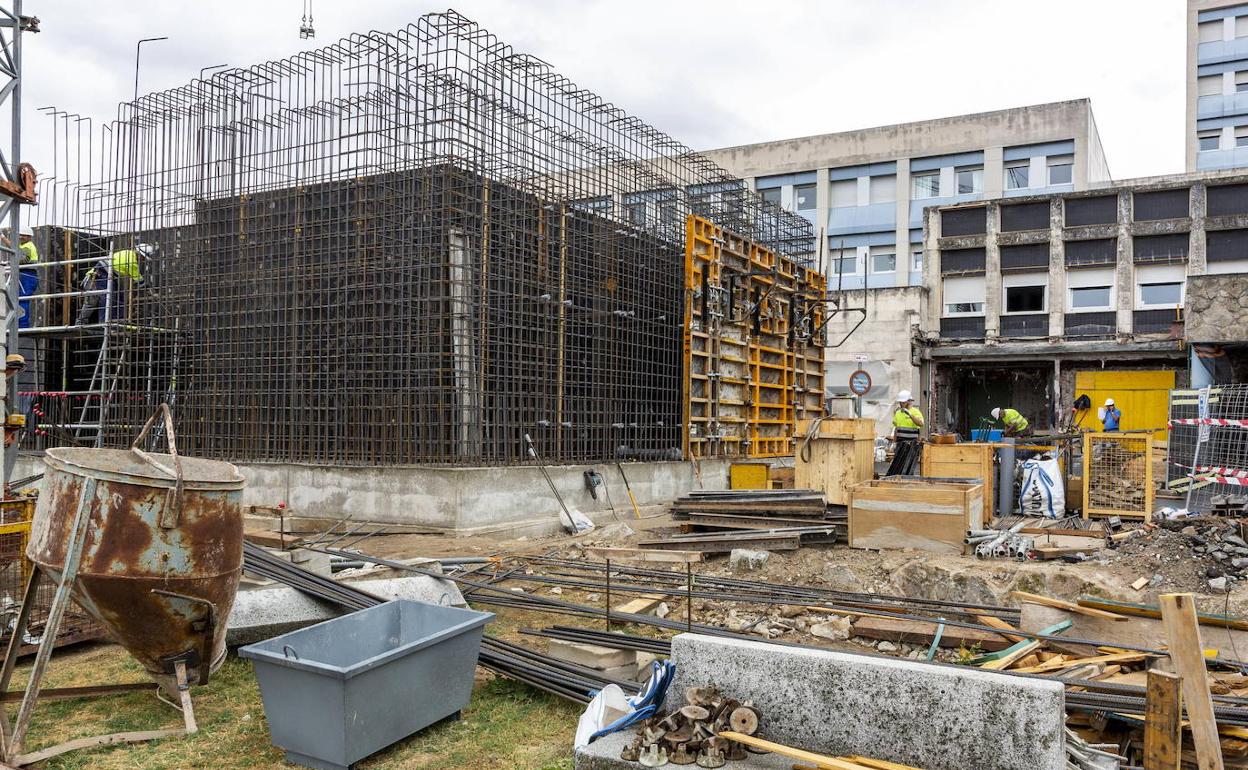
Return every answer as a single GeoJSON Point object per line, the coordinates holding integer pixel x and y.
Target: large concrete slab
{"type": "Point", "coordinates": [929, 716]}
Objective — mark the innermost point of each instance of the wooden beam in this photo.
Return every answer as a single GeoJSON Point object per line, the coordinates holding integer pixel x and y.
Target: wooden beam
{"type": "Point", "coordinates": [1062, 604]}
{"type": "Point", "coordinates": [1178, 613]}
{"type": "Point", "coordinates": [821, 761]}
{"type": "Point", "coordinates": [1057, 665]}
{"type": "Point", "coordinates": [1163, 731]}
{"type": "Point", "coordinates": [645, 554]}
{"type": "Point", "coordinates": [1006, 660]}
{"type": "Point", "coordinates": [1145, 611]}
{"type": "Point", "coordinates": [996, 622]}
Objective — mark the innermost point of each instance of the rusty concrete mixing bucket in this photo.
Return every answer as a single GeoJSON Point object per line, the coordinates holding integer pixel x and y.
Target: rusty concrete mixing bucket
{"type": "Point", "coordinates": [162, 551]}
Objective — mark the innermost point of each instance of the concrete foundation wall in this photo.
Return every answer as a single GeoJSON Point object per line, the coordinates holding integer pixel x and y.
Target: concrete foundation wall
{"type": "Point", "coordinates": [464, 499]}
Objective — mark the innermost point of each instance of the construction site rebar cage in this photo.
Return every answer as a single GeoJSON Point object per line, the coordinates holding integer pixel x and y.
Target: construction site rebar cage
{"type": "Point", "coordinates": [1207, 456]}
{"type": "Point", "coordinates": [402, 248]}
{"type": "Point", "coordinates": [1118, 474]}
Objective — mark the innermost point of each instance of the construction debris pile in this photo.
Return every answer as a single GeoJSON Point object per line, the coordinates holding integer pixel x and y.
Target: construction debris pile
{"type": "Point", "coordinates": [691, 733]}
{"type": "Point", "coordinates": [1205, 553]}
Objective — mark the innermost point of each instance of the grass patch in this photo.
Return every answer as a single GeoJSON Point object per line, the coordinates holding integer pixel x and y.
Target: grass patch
{"type": "Point", "coordinates": [507, 725]}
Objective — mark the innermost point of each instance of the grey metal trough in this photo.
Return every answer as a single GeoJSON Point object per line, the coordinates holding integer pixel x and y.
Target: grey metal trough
{"type": "Point", "coordinates": [341, 690]}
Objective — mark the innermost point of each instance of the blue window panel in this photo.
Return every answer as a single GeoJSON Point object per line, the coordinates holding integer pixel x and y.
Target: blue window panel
{"type": "Point", "coordinates": [852, 240]}
{"type": "Point", "coordinates": [941, 161]}
{"type": "Point", "coordinates": [1219, 105]}
{"type": "Point", "coordinates": [870, 169]}
{"type": "Point", "coordinates": [1032, 150]}
{"type": "Point", "coordinates": [1229, 120]}
{"type": "Point", "coordinates": [1220, 52]}
{"type": "Point", "coordinates": [916, 235]}
{"type": "Point", "coordinates": [780, 180]}
{"type": "Point", "coordinates": [1215, 159]}
{"type": "Point", "coordinates": [844, 283]}
{"type": "Point", "coordinates": [1222, 13]}
{"type": "Point", "coordinates": [862, 219]}
{"type": "Point", "coordinates": [1217, 68]}
{"type": "Point", "coordinates": [881, 281]}
{"type": "Point", "coordinates": [916, 278]}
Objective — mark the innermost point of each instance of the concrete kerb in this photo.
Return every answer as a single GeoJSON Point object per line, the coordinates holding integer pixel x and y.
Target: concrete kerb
{"type": "Point", "coordinates": [918, 714]}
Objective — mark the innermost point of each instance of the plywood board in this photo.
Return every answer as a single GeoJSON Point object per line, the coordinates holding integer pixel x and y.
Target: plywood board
{"type": "Point", "coordinates": [963, 461]}
{"type": "Point", "coordinates": [916, 632]}
{"type": "Point", "coordinates": [839, 455]}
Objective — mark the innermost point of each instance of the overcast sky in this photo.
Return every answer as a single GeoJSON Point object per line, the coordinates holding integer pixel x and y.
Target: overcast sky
{"type": "Point", "coordinates": [710, 72]}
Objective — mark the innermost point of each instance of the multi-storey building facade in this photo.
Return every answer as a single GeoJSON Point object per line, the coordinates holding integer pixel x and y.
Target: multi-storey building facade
{"type": "Point", "coordinates": [1217, 85]}
{"type": "Point", "coordinates": [866, 191]}
{"type": "Point", "coordinates": [1028, 293]}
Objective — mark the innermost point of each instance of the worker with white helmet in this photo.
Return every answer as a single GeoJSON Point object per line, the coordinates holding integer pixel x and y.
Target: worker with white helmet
{"type": "Point", "coordinates": [1111, 416]}
{"type": "Point", "coordinates": [907, 429]}
{"type": "Point", "coordinates": [1015, 423]}
{"type": "Point", "coordinates": [126, 267]}
{"type": "Point", "coordinates": [28, 277]}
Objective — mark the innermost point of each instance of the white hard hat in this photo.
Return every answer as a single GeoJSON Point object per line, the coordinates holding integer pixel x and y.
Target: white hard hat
{"type": "Point", "coordinates": [27, 232]}
{"type": "Point", "coordinates": [903, 397]}
{"type": "Point", "coordinates": [996, 413]}
{"type": "Point", "coordinates": [146, 249]}
{"type": "Point", "coordinates": [1109, 402]}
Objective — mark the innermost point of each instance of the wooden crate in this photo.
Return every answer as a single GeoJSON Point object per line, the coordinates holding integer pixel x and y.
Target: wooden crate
{"type": "Point", "coordinates": [914, 512]}
{"type": "Point", "coordinates": [838, 456]}
{"type": "Point", "coordinates": [964, 461]}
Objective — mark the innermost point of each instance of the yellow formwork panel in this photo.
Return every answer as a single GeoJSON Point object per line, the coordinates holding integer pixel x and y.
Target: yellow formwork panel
{"type": "Point", "coordinates": [748, 476]}
{"type": "Point", "coordinates": [1143, 397]}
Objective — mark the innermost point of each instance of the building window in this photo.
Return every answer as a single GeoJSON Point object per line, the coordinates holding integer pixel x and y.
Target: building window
{"type": "Point", "coordinates": [1241, 136]}
{"type": "Point", "coordinates": [1017, 174]}
{"type": "Point", "coordinates": [1241, 81]}
{"type": "Point", "coordinates": [1024, 299]}
{"type": "Point", "coordinates": [1211, 85]}
{"type": "Point", "coordinates": [1161, 294]}
{"type": "Point", "coordinates": [804, 197]}
{"type": "Point", "coordinates": [883, 259]}
{"type": "Point", "coordinates": [1061, 169]}
{"type": "Point", "coordinates": [1209, 140]}
{"type": "Point", "coordinates": [963, 296]}
{"type": "Point", "coordinates": [916, 260]}
{"type": "Point", "coordinates": [1090, 298]}
{"type": "Point", "coordinates": [926, 184]}
{"type": "Point", "coordinates": [636, 213]}
{"type": "Point", "coordinates": [964, 308]}
{"type": "Point", "coordinates": [843, 261]}
{"type": "Point", "coordinates": [884, 188]}
{"type": "Point", "coordinates": [970, 180]}
{"type": "Point", "coordinates": [844, 193]}
{"type": "Point", "coordinates": [771, 195]}
{"type": "Point", "coordinates": [1211, 31]}
{"type": "Point", "coordinates": [1241, 26]}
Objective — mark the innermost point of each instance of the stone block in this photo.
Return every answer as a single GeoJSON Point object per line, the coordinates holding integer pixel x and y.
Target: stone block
{"type": "Point", "coordinates": [931, 716]}
{"type": "Point", "coordinates": [591, 655]}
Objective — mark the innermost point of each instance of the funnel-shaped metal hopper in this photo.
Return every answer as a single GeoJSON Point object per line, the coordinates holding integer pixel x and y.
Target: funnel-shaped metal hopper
{"type": "Point", "coordinates": [162, 553]}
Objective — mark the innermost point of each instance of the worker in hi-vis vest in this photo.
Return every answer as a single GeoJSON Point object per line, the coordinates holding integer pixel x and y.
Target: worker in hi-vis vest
{"type": "Point", "coordinates": [127, 273]}
{"type": "Point", "coordinates": [907, 419]}
{"type": "Point", "coordinates": [1111, 416]}
{"type": "Point", "coordinates": [28, 275]}
{"type": "Point", "coordinates": [1015, 423]}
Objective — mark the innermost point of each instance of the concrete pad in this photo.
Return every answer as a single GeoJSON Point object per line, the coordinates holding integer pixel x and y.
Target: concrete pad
{"type": "Point", "coordinates": [929, 716]}
{"type": "Point", "coordinates": [591, 655]}
{"type": "Point", "coordinates": [263, 613]}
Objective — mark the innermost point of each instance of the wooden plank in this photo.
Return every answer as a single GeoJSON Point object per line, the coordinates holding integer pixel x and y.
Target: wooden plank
{"type": "Point", "coordinates": [734, 521]}
{"type": "Point", "coordinates": [917, 632]}
{"type": "Point", "coordinates": [821, 761]}
{"type": "Point", "coordinates": [269, 539]}
{"type": "Point", "coordinates": [1178, 613]}
{"type": "Point", "coordinates": [1058, 665]}
{"type": "Point", "coordinates": [926, 515]}
{"type": "Point", "coordinates": [645, 554]}
{"type": "Point", "coordinates": [641, 604]}
{"type": "Point", "coordinates": [1163, 736]}
{"type": "Point", "coordinates": [969, 460]}
{"type": "Point", "coordinates": [1140, 583]}
{"type": "Point", "coordinates": [996, 622]}
{"type": "Point", "coordinates": [715, 544]}
{"type": "Point", "coordinates": [1147, 611]}
{"type": "Point", "coordinates": [1062, 604]}
{"type": "Point", "coordinates": [1004, 662]}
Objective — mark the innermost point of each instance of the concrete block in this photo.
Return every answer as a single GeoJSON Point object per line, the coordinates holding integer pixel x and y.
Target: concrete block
{"type": "Point", "coordinates": [313, 561]}
{"type": "Point", "coordinates": [591, 655]}
{"type": "Point", "coordinates": [930, 716]}
{"type": "Point", "coordinates": [263, 613]}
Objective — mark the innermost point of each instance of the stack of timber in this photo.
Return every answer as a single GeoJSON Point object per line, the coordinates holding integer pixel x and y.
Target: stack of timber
{"type": "Point", "coordinates": [753, 509]}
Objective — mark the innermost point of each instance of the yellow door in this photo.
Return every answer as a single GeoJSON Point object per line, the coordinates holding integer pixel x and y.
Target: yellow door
{"type": "Point", "coordinates": [1143, 397]}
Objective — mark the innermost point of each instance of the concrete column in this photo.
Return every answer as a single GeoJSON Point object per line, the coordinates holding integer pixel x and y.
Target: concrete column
{"type": "Point", "coordinates": [864, 190]}
{"type": "Point", "coordinates": [1057, 269]}
{"type": "Point", "coordinates": [992, 275]}
{"type": "Point", "coordinates": [1038, 172]}
{"type": "Point", "coordinates": [1125, 274]}
{"type": "Point", "coordinates": [994, 169]}
{"type": "Point", "coordinates": [931, 270]}
{"type": "Point", "coordinates": [901, 233]}
{"type": "Point", "coordinates": [1197, 255]}
{"type": "Point", "coordinates": [948, 182]}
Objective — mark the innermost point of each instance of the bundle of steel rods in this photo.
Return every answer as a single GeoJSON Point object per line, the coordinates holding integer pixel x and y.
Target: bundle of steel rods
{"type": "Point", "coordinates": [557, 677]}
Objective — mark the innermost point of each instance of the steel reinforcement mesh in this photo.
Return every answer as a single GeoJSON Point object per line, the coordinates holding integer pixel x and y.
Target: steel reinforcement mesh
{"type": "Point", "coordinates": [1207, 461]}
{"type": "Point", "coordinates": [414, 247]}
